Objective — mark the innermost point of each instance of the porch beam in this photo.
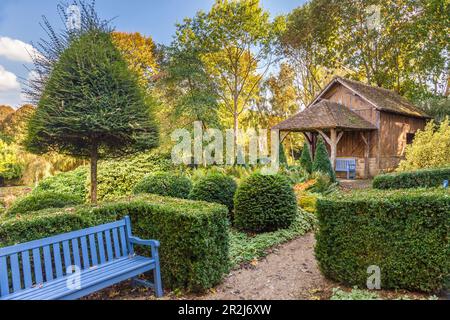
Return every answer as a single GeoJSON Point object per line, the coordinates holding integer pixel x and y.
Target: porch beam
{"type": "Point", "coordinates": [366, 141]}
{"type": "Point", "coordinates": [332, 141]}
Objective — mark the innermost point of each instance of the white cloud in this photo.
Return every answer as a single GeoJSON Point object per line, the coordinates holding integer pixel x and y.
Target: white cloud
{"type": "Point", "coordinates": [16, 50]}
{"type": "Point", "coordinates": [8, 80]}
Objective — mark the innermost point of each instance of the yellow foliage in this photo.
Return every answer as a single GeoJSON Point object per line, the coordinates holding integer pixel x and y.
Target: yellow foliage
{"type": "Point", "coordinates": [431, 148]}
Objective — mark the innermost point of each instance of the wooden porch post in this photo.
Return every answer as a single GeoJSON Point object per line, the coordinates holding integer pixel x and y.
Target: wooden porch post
{"type": "Point", "coordinates": [366, 154]}
{"type": "Point", "coordinates": [333, 141]}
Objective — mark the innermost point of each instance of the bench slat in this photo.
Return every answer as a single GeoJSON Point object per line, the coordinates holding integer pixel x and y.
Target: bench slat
{"type": "Point", "coordinates": [28, 282]}
{"type": "Point", "coordinates": [48, 264]}
{"type": "Point", "coordinates": [123, 241]}
{"type": "Point", "coordinates": [58, 238]}
{"type": "Point", "coordinates": [4, 282]}
{"type": "Point", "coordinates": [15, 271]}
{"type": "Point", "coordinates": [76, 253]}
{"type": "Point", "coordinates": [84, 252]}
{"type": "Point", "coordinates": [109, 245]}
{"type": "Point", "coordinates": [37, 266]}
{"type": "Point", "coordinates": [116, 243]}
{"type": "Point", "coordinates": [58, 262]}
{"type": "Point", "coordinates": [93, 248]}
{"type": "Point", "coordinates": [101, 247]}
{"type": "Point", "coordinates": [66, 254]}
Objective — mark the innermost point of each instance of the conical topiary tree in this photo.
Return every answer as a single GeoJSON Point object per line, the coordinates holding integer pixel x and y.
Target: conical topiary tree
{"type": "Point", "coordinates": [91, 105]}
{"type": "Point", "coordinates": [322, 161]}
{"type": "Point", "coordinates": [305, 160]}
{"type": "Point", "coordinates": [282, 158]}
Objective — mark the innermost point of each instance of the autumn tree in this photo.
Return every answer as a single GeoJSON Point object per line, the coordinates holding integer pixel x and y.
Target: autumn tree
{"type": "Point", "coordinates": [90, 105]}
{"type": "Point", "coordinates": [235, 40]}
{"type": "Point", "coordinates": [140, 53]}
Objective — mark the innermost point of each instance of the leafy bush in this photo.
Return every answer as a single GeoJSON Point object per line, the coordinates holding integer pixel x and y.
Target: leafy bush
{"type": "Point", "coordinates": [307, 201]}
{"type": "Point", "coordinates": [430, 149]}
{"type": "Point", "coordinates": [355, 294]}
{"type": "Point", "coordinates": [165, 184]}
{"type": "Point", "coordinates": [215, 187]}
{"type": "Point", "coordinates": [322, 161]}
{"type": "Point", "coordinates": [117, 178]}
{"type": "Point", "coordinates": [245, 248]}
{"type": "Point", "coordinates": [42, 200]}
{"type": "Point", "coordinates": [264, 203]}
{"type": "Point", "coordinates": [194, 235]}
{"type": "Point", "coordinates": [10, 166]}
{"type": "Point", "coordinates": [323, 184]}
{"type": "Point", "coordinates": [72, 182]}
{"type": "Point", "coordinates": [427, 178]}
{"type": "Point", "coordinates": [305, 160]}
{"type": "Point", "coordinates": [405, 233]}
{"type": "Point", "coordinates": [38, 225]}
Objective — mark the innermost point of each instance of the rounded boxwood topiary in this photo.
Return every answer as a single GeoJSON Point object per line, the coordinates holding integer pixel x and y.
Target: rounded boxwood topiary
{"type": "Point", "coordinates": [264, 203]}
{"type": "Point", "coordinates": [215, 187]}
{"type": "Point", "coordinates": [43, 200]}
{"type": "Point", "coordinates": [165, 184]}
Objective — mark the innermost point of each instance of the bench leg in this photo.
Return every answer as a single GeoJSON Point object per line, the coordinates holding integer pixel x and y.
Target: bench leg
{"type": "Point", "coordinates": [158, 283]}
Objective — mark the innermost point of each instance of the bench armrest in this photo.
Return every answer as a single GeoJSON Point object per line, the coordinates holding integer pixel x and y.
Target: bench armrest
{"type": "Point", "coordinates": [150, 243]}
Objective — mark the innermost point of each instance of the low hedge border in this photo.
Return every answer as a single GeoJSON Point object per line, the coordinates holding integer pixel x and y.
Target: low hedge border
{"type": "Point", "coordinates": [429, 178]}
{"type": "Point", "coordinates": [404, 232]}
{"type": "Point", "coordinates": [194, 235]}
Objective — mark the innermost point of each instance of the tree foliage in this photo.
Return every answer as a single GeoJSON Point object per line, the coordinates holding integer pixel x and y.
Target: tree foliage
{"type": "Point", "coordinates": [322, 161]}
{"type": "Point", "coordinates": [91, 104]}
{"type": "Point", "coordinates": [306, 161]}
{"type": "Point", "coordinates": [431, 148]}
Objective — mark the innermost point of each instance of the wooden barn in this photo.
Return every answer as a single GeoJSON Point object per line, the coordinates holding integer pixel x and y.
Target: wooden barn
{"type": "Point", "coordinates": [370, 126]}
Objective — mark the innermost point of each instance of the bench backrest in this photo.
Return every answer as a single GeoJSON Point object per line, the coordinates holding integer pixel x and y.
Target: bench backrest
{"type": "Point", "coordinates": [26, 265]}
{"type": "Point", "coordinates": [344, 164]}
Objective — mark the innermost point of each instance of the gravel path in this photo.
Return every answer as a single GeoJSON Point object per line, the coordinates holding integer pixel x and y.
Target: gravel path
{"type": "Point", "coordinates": [290, 272]}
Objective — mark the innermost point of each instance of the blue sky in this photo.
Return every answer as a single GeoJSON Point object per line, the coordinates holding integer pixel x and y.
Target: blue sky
{"type": "Point", "coordinates": [19, 21]}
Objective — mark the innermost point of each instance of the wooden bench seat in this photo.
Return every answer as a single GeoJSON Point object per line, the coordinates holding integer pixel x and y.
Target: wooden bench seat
{"type": "Point", "coordinates": [347, 165]}
{"type": "Point", "coordinates": [101, 257]}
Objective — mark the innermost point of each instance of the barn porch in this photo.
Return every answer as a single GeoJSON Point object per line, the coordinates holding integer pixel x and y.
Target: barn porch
{"type": "Point", "coordinates": [346, 134]}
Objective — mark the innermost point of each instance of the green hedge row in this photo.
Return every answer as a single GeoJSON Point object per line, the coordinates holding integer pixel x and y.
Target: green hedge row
{"type": "Point", "coordinates": [43, 200]}
{"type": "Point", "coordinates": [194, 235]}
{"type": "Point", "coordinates": [165, 184]}
{"type": "Point", "coordinates": [404, 232]}
{"type": "Point", "coordinates": [428, 178]}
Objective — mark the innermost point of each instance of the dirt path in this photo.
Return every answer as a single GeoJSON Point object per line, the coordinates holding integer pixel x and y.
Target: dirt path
{"type": "Point", "coordinates": [290, 272]}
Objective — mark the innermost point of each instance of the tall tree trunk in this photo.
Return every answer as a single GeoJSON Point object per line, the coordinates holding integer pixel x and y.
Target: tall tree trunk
{"type": "Point", "coordinates": [94, 161]}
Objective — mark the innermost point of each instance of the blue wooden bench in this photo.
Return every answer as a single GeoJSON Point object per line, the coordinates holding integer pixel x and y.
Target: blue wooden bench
{"type": "Point", "coordinates": [101, 256]}
{"type": "Point", "coordinates": [347, 165]}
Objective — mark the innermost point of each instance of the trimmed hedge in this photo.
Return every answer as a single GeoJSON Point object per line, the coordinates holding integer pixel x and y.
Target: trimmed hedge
{"type": "Point", "coordinates": [428, 178]}
{"type": "Point", "coordinates": [43, 200]}
{"type": "Point", "coordinates": [405, 233]}
{"type": "Point", "coordinates": [72, 182]}
{"type": "Point", "coordinates": [264, 203]}
{"type": "Point", "coordinates": [165, 184]}
{"type": "Point", "coordinates": [215, 187]}
{"type": "Point", "coordinates": [194, 235]}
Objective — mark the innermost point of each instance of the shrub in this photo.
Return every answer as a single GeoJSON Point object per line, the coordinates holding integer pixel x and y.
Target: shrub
{"type": "Point", "coordinates": [322, 162]}
{"type": "Point", "coordinates": [42, 200]}
{"type": "Point", "coordinates": [117, 178]}
{"type": "Point", "coordinates": [307, 201]}
{"type": "Point", "coordinates": [405, 233]}
{"type": "Point", "coordinates": [194, 235]}
{"type": "Point", "coordinates": [215, 187]}
{"type": "Point", "coordinates": [264, 203]}
{"type": "Point", "coordinates": [38, 225]}
{"type": "Point", "coordinates": [430, 149]}
{"type": "Point", "coordinates": [165, 184]}
{"type": "Point", "coordinates": [72, 182]}
{"type": "Point", "coordinates": [427, 178]}
{"type": "Point", "coordinates": [305, 160]}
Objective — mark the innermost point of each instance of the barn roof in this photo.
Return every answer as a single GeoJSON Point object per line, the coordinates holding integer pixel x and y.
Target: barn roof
{"type": "Point", "coordinates": [325, 115]}
{"type": "Point", "coordinates": [382, 99]}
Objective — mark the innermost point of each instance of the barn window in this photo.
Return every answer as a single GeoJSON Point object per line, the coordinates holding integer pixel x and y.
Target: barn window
{"type": "Point", "coordinates": [410, 138]}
